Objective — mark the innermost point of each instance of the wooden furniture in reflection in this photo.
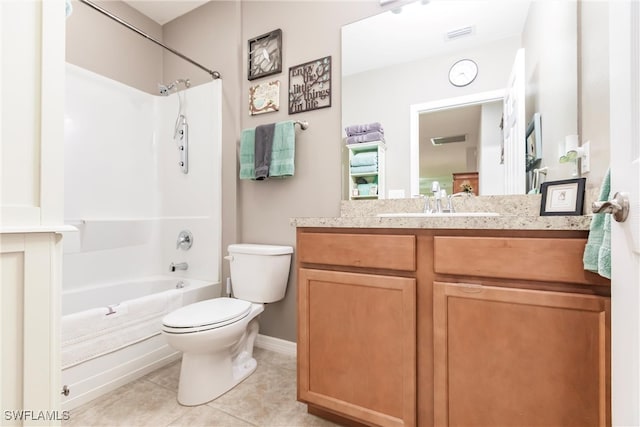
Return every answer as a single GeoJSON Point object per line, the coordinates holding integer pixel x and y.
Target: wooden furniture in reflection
{"type": "Point", "coordinates": [465, 177]}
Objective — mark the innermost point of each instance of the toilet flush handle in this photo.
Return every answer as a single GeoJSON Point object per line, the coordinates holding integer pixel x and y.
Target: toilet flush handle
{"type": "Point", "coordinates": [229, 258]}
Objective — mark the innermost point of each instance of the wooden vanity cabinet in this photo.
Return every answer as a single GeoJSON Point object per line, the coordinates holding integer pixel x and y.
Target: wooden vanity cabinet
{"type": "Point", "coordinates": [357, 326]}
{"type": "Point", "coordinates": [516, 357]}
{"type": "Point", "coordinates": [521, 334]}
{"type": "Point", "coordinates": [401, 327]}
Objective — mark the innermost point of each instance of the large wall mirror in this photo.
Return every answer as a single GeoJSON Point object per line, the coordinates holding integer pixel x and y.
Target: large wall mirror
{"type": "Point", "coordinates": [396, 71]}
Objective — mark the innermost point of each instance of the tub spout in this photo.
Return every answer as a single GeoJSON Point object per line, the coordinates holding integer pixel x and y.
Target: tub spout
{"type": "Point", "coordinates": [179, 266]}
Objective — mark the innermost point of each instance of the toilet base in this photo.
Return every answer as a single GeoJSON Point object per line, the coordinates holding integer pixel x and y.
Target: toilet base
{"type": "Point", "coordinates": [196, 386]}
{"type": "Point", "coordinates": [206, 376]}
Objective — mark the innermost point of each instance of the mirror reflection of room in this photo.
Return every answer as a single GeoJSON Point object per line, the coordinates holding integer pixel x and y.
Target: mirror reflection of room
{"type": "Point", "coordinates": [399, 60]}
{"type": "Point", "coordinates": [456, 143]}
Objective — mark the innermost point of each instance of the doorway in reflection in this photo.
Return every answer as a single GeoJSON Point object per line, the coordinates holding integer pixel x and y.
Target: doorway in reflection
{"type": "Point", "coordinates": [456, 143]}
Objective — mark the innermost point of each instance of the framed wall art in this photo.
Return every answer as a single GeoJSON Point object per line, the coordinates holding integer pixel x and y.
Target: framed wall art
{"type": "Point", "coordinates": [265, 55]}
{"type": "Point", "coordinates": [264, 97]}
{"type": "Point", "coordinates": [310, 85]}
{"type": "Point", "coordinates": [562, 197]}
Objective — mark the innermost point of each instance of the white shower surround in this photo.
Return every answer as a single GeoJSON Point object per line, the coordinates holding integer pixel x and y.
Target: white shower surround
{"type": "Point", "coordinates": [123, 186]}
{"type": "Point", "coordinates": [129, 199]}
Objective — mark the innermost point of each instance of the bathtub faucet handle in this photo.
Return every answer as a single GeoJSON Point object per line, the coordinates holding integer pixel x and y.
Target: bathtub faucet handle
{"type": "Point", "coordinates": [185, 240]}
{"type": "Point", "coordinates": [179, 266]}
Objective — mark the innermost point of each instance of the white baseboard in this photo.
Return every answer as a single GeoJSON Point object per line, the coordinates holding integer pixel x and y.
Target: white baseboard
{"type": "Point", "coordinates": [276, 344]}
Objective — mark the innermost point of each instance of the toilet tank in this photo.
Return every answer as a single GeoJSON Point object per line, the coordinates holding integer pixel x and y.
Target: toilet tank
{"type": "Point", "coordinates": [259, 273]}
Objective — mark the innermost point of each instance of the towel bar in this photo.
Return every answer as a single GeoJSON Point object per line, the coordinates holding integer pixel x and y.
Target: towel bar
{"type": "Point", "coordinates": [303, 124]}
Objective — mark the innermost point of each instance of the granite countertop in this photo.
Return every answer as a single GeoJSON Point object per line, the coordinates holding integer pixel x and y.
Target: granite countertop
{"type": "Point", "coordinates": [515, 213]}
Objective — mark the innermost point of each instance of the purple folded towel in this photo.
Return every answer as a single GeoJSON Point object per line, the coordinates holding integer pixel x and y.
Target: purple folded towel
{"type": "Point", "coordinates": [362, 129]}
{"type": "Point", "coordinates": [367, 137]}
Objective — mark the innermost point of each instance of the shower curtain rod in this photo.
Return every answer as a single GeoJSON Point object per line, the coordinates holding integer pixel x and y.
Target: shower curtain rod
{"type": "Point", "coordinates": [214, 74]}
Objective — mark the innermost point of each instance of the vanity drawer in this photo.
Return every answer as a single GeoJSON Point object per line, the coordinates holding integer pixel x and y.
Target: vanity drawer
{"type": "Point", "coordinates": [391, 252]}
{"type": "Point", "coordinates": [547, 260]}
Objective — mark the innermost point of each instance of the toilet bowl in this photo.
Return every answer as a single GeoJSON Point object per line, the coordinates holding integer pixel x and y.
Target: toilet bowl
{"type": "Point", "coordinates": [217, 336]}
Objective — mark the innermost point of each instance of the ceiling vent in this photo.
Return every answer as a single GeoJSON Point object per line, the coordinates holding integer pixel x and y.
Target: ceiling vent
{"type": "Point", "coordinates": [441, 140]}
{"type": "Point", "coordinates": [459, 32]}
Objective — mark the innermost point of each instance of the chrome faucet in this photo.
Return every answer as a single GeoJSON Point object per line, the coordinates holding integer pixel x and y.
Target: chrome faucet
{"type": "Point", "coordinates": [435, 189]}
{"type": "Point", "coordinates": [427, 203]}
{"type": "Point", "coordinates": [178, 266]}
{"type": "Point", "coordinates": [451, 196]}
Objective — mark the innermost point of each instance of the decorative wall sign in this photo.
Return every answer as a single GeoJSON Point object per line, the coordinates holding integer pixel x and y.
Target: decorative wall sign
{"type": "Point", "coordinates": [265, 55]}
{"type": "Point", "coordinates": [264, 97]}
{"type": "Point", "coordinates": [310, 86]}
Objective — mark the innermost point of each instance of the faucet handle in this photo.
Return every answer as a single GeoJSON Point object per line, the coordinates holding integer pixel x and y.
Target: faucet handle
{"type": "Point", "coordinates": [435, 187]}
{"type": "Point", "coordinates": [427, 204]}
{"type": "Point", "coordinates": [450, 204]}
{"type": "Point", "coordinates": [185, 240]}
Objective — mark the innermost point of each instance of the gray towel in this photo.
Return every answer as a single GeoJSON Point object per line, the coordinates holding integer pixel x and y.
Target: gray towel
{"type": "Point", "coordinates": [362, 129]}
{"type": "Point", "coordinates": [365, 137]}
{"type": "Point", "coordinates": [263, 148]}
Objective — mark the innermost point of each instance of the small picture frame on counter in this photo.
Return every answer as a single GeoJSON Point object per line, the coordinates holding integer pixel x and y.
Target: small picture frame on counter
{"type": "Point", "coordinates": [564, 197]}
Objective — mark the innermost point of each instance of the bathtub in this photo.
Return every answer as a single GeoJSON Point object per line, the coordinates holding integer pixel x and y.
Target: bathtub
{"type": "Point", "coordinates": [127, 310]}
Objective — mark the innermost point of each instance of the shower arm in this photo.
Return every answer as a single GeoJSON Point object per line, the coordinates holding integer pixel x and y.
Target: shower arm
{"type": "Point", "coordinates": [214, 74]}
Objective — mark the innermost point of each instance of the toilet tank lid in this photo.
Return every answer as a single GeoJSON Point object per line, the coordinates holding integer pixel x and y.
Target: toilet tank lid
{"type": "Point", "coordinates": [254, 249]}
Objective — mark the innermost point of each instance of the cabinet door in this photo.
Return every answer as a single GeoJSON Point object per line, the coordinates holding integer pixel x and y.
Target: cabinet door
{"type": "Point", "coordinates": [513, 357]}
{"type": "Point", "coordinates": [357, 345]}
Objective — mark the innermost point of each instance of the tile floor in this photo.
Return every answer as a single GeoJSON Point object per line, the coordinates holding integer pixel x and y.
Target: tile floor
{"type": "Point", "coordinates": [267, 398]}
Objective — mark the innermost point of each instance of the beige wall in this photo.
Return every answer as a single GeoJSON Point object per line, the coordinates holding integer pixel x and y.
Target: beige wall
{"type": "Point", "coordinates": [550, 40]}
{"type": "Point", "coordinates": [311, 30]}
{"type": "Point", "coordinates": [99, 44]}
{"type": "Point", "coordinates": [594, 88]}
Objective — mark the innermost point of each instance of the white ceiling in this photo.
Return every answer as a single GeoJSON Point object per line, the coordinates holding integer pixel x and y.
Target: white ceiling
{"type": "Point", "coordinates": [163, 11]}
{"type": "Point", "coordinates": [418, 31]}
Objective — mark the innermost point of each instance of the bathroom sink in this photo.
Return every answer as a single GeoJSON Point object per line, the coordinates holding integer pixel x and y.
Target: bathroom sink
{"type": "Point", "coordinates": [433, 215]}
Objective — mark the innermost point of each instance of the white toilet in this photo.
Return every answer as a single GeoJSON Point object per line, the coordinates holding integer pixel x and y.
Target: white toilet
{"type": "Point", "coordinates": [216, 336]}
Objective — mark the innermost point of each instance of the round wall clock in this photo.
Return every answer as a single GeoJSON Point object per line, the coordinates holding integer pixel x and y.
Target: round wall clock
{"type": "Point", "coordinates": [463, 72]}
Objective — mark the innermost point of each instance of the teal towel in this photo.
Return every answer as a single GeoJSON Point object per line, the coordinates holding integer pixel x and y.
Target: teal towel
{"type": "Point", "coordinates": [247, 154]}
{"type": "Point", "coordinates": [284, 150]}
{"type": "Point", "coordinates": [604, 254]}
{"type": "Point", "coordinates": [366, 158]}
{"type": "Point", "coordinates": [364, 169]}
{"type": "Point", "coordinates": [597, 252]}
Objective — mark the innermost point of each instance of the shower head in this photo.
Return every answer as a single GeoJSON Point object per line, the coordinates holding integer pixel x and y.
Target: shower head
{"type": "Point", "coordinates": [165, 90]}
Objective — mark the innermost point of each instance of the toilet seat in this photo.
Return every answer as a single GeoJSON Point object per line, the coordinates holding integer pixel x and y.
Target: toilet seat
{"type": "Point", "coordinates": [205, 315]}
